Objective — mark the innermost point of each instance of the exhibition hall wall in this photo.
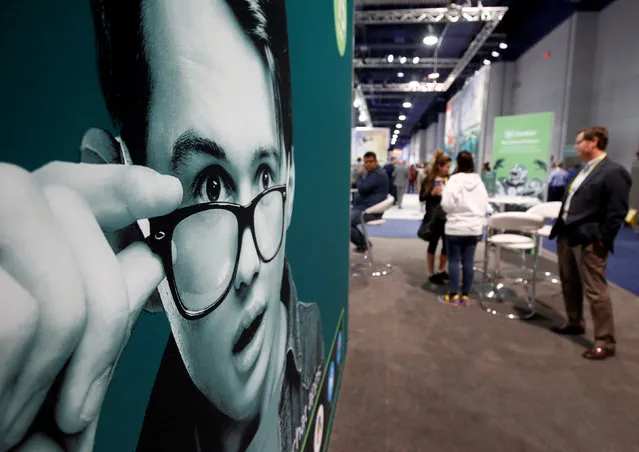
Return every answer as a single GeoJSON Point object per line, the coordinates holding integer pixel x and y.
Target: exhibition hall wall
{"type": "Point", "coordinates": [204, 309]}
{"type": "Point", "coordinates": [590, 77]}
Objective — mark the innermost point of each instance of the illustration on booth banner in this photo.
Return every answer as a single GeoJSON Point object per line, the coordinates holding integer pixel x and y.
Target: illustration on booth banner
{"type": "Point", "coordinates": [182, 212]}
{"type": "Point", "coordinates": [517, 182]}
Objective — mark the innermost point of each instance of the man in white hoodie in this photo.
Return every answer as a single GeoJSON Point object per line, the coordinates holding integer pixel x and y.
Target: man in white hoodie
{"type": "Point", "coordinates": [464, 200]}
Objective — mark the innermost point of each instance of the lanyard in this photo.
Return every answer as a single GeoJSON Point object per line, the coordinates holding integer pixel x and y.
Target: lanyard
{"type": "Point", "coordinates": [594, 165]}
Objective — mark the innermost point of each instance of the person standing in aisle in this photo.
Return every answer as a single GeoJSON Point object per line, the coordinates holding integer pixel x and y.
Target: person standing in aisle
{"type": "Point", "coordinates": [400, 181]}
{"type": "Point", "coordinates": [464, 199]}
{"type": "Point", "coordinates": [430, 193]}
{"type": "Point", "coordinates": [592, 212]}
{"type": "Point", "coordinates": [557, 182]}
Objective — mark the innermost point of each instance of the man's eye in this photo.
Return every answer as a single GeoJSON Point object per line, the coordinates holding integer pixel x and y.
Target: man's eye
{"type": "Point", "coordinates": [265, 177]}
{"type": "Point", "coordinates": [211, 186]}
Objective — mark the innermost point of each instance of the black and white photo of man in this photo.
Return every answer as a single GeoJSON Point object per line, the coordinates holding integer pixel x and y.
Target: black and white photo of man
{"type": "Point", "coordinates": [199, 92]}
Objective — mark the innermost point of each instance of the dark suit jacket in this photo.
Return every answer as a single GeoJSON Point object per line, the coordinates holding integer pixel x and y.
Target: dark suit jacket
{"type": "Point", "coordinates": [598, 207]}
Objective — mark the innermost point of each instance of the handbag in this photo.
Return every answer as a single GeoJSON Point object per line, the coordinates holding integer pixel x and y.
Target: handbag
{"type": "Point", "coordinates": [432, 222]}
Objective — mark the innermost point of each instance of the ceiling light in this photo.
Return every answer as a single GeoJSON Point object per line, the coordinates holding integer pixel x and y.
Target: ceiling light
{"type": "Point", "coordinates": [503, 45]}
{"type": "Point", "coordinates": [402, 117]}
{"type": "Point", "coordinates": [495, 54]}
{"type": "Point", "coordinates": [486, 62]}
{"type": "Point", "coordinates": [415, 60]}
{"type": "Point", "coordinates": [407, 105]}
{"type": "Point", "coordinates": [400, 74]}
{"type": "Point", "coordinates": [356, 103]}
{"type": "Point", "coordinates": [399, 126]}
{"type": "Point", "coordinates": [390, 58]}
{"type": "Point", "coordinates": [433, 75]}
{"type": "Point", "coordinates": [362, 117]}
{"type": "Point", "coordinates": [431, 40]}
{"type": "Point", "coordinates": [402, 60]}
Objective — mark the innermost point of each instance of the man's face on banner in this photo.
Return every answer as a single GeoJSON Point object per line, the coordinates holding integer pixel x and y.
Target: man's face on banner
{"type": "Point", "coordinates": [212, 124]}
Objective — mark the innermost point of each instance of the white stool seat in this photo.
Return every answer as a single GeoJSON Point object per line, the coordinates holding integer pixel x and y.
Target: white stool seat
{"type": "Point", "coordinates": [508, 239]}
{"type": "Point", "coordinates": [545, 231]}
{"type": "Point", "coordinates": [520, 246]}
{"type": "Point", "coordinates": [376, 222]}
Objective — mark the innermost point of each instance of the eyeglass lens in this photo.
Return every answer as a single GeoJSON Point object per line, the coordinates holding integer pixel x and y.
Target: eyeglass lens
{"type": "Point", "coordinates": [205, 246]}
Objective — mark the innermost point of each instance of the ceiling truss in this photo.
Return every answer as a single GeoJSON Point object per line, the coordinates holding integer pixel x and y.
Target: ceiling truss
{"type": "Point", "coordinates": [424, 63]}
{"type": "Point", "coordinates": [452, 14]}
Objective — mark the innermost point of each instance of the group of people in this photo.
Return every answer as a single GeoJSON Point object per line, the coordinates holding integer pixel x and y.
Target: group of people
{"type": "Point", "coordinates": [594, 202]}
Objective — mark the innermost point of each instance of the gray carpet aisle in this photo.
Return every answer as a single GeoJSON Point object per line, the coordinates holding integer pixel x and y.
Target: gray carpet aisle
{"type": "Point", "coordinates": [424, 376]}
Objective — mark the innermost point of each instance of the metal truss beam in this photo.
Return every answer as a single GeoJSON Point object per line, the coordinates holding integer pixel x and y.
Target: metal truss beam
{"type": "Point", "coordinates": [413, 87]}
{"type": "Point", "coordinates": [424, 63]}
{"type": "Point", "coordinates": [388, 96]}
{"type": "Point", "coordinates": [431, 15]}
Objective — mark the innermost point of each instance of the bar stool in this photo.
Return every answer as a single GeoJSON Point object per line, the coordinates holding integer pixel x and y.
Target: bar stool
{"type": "Point", "coordinates": [492, 291]}
{"type": "Point", "coordinates": [368, 265]}
{"type": "Point", "coordinates": [550, 211]}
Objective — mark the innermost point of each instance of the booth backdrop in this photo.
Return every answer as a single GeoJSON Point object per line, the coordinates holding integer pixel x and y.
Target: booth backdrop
{"type": "Point", "coordinates": [51, 97]}
{"type": "Point", "coordinates": [370, 139]}
{"type": "Point", "coordinates": [521, 151]}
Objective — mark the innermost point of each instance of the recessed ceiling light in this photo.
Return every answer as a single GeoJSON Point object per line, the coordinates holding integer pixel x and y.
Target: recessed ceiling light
{"type": "Point", "coordinates": [356, 103]}
{"type": "Point", "coordinates": [402, 60]}
{"type": "Point", "coordinates": [433, 75]}
{"type": "Point", "coordinates": [407, 105]}
{"type": "Point", "coordinates": [400, 74]}
{"type": "Point", "coordinates": [431, 40]}
{"type": "Point", "coordinates": [402, 117]}
{"type": "Point", "coordinates": [390, 58]}
{"type": "Point", "coordinates": [486, 62]}
{"type": "Point", "coordinates": [415, 60]}
{"type": "Point", "coordinates": [495, 54]}
{"type": "Point", "coordinates": [399, 126]}
{"type": "Point", "coordinates": [503, 45]}
{"type": "Point", "coordinates": [362, 118]}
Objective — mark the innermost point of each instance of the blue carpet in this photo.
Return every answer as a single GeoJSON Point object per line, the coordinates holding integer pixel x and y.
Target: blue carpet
{"type": "Point", "coordinates": [622, 265]}
{"type": "Point", "coordinates": [397, 229]}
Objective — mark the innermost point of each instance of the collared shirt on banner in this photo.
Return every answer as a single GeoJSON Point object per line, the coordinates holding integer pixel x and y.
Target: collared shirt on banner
{"type": "Point", "coordinates": [579, 179]}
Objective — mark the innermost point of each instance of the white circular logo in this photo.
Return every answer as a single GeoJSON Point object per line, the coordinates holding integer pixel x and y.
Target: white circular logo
{"type": "Point", "coordinates": [319, 429]}
{"type": "Point", "coordinates": [340, 12]}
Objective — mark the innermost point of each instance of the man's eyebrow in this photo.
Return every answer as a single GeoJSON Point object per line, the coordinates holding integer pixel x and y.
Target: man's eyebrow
{"type": "Point", "coordinates": [189, 143]}
{"type": "Point", "coordinates": [266, 152]}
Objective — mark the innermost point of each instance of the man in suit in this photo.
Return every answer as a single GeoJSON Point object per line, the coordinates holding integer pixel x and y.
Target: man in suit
{"type": "Point", "coordinates": [400, 181]}
{"type": "Point", "coordinates": [592, 211]}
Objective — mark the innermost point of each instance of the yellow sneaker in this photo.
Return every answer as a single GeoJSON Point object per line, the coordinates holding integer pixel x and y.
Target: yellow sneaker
{"type": "Point", "coordinates": [464, 300]}
{"type": "Point", "coordinates": [447, 299]}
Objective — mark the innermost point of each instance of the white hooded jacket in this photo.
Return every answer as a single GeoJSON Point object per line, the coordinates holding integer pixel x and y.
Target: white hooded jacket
{"type": "Point", "coordinates": [465, 201]}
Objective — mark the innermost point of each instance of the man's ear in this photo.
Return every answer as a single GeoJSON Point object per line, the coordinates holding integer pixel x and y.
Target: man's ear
{"type": "Point", "coordinates": [99, 146]}
{"type": "Point", "coordinates": [290, 192]}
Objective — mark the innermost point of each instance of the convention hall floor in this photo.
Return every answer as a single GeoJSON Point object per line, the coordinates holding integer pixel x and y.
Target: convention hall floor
{"type": "Point", "coordinates": [424, 376]}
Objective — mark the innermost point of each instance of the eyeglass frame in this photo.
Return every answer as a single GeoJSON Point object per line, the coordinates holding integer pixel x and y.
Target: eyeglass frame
{"type": "Point", "coordinates": [162, 229]}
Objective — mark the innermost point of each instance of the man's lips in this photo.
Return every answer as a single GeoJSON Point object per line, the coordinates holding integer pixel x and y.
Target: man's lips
{"type": "Point", "coordinates": [247, 335]}
{"type": "Point", "coordinates": [250, 322]}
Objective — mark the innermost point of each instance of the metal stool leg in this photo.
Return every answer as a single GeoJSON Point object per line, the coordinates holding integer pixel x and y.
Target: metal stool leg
{"type": "Point", "coordinates": [369, 266]}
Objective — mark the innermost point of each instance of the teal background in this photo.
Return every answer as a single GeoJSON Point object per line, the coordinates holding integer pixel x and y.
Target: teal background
{"type": "Point", "coordinates": [50, 95]}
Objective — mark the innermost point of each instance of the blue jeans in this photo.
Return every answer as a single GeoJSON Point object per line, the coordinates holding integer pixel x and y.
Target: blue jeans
{"type": "Point", "coordinates": [461, 249]}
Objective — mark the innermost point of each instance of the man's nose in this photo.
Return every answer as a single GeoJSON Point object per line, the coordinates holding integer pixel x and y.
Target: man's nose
{"type": "Point", "coordinates": [248, 266]}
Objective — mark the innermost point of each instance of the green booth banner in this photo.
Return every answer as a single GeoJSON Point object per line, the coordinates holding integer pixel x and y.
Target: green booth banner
{"type": "Point", "coordinates": [521, 151]}
{"type": "Point", "coordinates": [172, 277]}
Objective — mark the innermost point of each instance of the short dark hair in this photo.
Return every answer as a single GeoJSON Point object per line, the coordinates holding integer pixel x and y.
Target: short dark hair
{"type": "Point", "coordinates": [598, 132]}
{"type": "Point", "coordinates": [465, 163]}
{"type": "Point", "coordinates": [125, 73]}
{"type": "Point", "coordinates": [370, 154]}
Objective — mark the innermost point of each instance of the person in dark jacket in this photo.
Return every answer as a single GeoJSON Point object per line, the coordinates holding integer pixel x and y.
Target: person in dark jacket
{"type": "Point", "coordinates": [373, 185]}
{"type": "Point", "coordinates": [593, 210]}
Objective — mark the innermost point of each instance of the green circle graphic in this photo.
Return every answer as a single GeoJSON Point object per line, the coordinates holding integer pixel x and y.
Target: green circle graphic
{"type": "Point", "coordinates": [341, 20]}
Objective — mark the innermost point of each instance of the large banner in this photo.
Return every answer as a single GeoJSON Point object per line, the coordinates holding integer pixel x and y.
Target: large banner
{"type": "Point", "coordinates": [520, 154]}
{"type": "Point", "coordinates": [370, 139]}
{"type": "Point", "coordinates": [162, 295]}
{"type": "Point", "coordinates": [464, 116]}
